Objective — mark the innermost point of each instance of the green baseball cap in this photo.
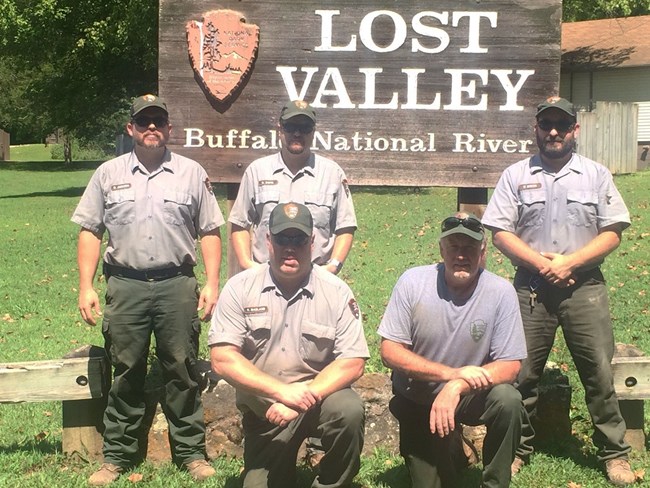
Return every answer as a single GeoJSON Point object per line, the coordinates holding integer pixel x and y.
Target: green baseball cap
{"type": "Point", "coordinates": [297, 107]}
{"type": "Point", "coordinates": [146, 101]}
{"type": "Point", "coordinates": [559, 103]}
{"type": "Point", "coordinates": [290, 216]}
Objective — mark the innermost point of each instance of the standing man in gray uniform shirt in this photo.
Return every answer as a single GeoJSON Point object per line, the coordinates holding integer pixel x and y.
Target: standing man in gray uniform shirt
{"type": "Point", "coordinates": [295, 174]}
{"type": "Point", "coordinates": [453, 336]}
{"type": "Point", "coordinates": [154, 205]}
{"type": "Point", "coordinates": [288, 335]}
{"type": "Point", "coordinates": [557, 215]}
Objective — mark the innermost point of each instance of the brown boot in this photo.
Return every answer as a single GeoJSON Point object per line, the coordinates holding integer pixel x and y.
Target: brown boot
{"type": "Point", "coordinates": [619, 472]}
{"type": "Point", "coordinates": [200, 469]}
{"type": "Point", "coordinates": [105, 475]}
{"type": "Point", "coordinates": [516, 465]}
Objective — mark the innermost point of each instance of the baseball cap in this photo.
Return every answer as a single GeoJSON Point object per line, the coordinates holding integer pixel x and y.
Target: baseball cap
{"type": "Point", "coordinates": [556, 102]}
{"type": "Point", "coordinates": [297, 107]}
{"type": "Point", "coordinates": [290, 216]}
{"type": "Point", "coordinates": [146, 101]}
{"type": "Point", "coordinates": [469, 226]}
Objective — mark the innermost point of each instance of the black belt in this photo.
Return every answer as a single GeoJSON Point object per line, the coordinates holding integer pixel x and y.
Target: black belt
{"type": "Point", "coordinates": [524, 275]}
{"type": "Point", "coordinates": [148, 275]}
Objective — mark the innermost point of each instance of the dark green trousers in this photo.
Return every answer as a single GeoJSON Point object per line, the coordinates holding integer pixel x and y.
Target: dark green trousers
{"type": "Point", "coordinates": [582, 311]}
{"type": "Point", "coordinates": [270, 451]}
{"type": "Point", "coordinates": [134, 311]}
{"type": "Point", "coordinates": [435, 462]}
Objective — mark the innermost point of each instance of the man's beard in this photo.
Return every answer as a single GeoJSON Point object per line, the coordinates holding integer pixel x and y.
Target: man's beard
{"type": "Point", "coordinates": [553, 152]}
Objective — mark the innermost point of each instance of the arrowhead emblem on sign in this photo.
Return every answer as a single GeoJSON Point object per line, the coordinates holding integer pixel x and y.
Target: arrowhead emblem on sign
{"type": "Point", "coordinates": [222, 49]}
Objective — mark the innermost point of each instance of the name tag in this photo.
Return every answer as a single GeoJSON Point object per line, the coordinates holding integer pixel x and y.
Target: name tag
{"type": "Point", "coordinates": [530, 186]}
{"type": "Point", "coordinates": [255, 310]}
{"type": "Point", "coordinates": [267, 182]}
{"type": "Point", "coordinates": [121, 186]}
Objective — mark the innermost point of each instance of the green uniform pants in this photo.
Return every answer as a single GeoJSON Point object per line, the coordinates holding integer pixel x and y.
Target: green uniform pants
{"type": "Point", "coordinates": [270, 451]}
{"type": "Point", "coordinates": [134, 310]}
{"type": "Point", "coordinates": [435, 462]}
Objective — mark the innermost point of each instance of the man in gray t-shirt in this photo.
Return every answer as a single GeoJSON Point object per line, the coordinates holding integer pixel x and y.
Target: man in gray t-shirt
{"type": "Point", "coordinates": [453, 336]}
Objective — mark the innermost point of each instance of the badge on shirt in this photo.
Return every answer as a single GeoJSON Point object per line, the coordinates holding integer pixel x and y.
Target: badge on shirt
{"type": "Point", "coordinates": [208, 185]}
{"type": "Point", "coordinates": [529, 186]}
{"type": "Point", "coordinates": [121, 186]}
{"type": "Point", "coordinates": [345, 187]}
{"type": "Point", "coordinates": [255, 310]}
{"type": "Point", "coordinates": [354, 308]}
{"type": "Point", "coordinates": [267, 182]}
{"type": "Point", "coordinates": [477, 329]}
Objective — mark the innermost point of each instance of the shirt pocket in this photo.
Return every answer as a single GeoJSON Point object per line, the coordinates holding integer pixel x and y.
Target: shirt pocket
{"type": "Point", "coordinates": [532, 208]}
{"type": "Point", "coordinates": [582, 207]}
{"type": "Point", "coordinates": [262, 199]}
{"type": "Point", "coordinates": [257, 336]}
{"type": "Point", "coordinates": [320, 205]}
{"type": "Point", "coordinates": [316, 343]}
{"type": "Point", "coordinates": [119, 207]}
{"type": "Point", "coordinates": [177, 208]}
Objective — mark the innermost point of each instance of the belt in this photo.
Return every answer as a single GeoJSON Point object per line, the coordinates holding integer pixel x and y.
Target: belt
{"type": "Point", "coordinates": [148, 275]}
{"type": "Point", "coordinates": [524, 275]}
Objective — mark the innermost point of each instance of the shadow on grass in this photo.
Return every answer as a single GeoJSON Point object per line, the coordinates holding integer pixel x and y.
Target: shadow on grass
{"type": "Point", "coordinates": [41, 447]}
{"type": "Point", "coordinates": [74, 191]}
{"type": "Point", "coordinates": [569, 448]}
{"type": "Point", "coordinates": [49, 166]}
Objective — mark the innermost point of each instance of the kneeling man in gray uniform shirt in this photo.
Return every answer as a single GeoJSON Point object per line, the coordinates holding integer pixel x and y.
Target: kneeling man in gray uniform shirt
{"type": "Point", "coordinates": [288, 335]}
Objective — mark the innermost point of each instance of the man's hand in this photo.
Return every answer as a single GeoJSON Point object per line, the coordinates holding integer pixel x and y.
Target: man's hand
{"type": "Point", "coordinates": [207, 301]}
{"type": "Point", "coordinates": [443, 410]}
{"type": "Point", "coordinates": [558, 271]}
{"type": "Point", "coordinates": [298, 396]}
{"type": "Point", "coordinates": [476, 377]}
{"type": "Point", "coordinates": [280, 414]}
{"type": "Point", "coordinates": [89, 306]}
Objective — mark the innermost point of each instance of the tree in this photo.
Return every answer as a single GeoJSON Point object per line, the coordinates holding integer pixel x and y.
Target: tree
{"type": "Point", "coordinates": [573, 10]}
{"type": "Point", "coordinates": [75, 64]}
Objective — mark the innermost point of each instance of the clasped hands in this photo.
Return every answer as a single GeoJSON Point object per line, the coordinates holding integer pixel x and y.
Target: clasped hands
{"type": "Point", "coordinates": [292, 400]}
{"type": "Point", "coordinates": [558, 271]}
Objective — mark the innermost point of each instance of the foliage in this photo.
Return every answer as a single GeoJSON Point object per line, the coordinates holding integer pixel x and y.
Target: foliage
{"type": "Point", "coordinates": [75, 64]}
{"type": "Point", "coordinates": [574, 10]}
{"type": "Point", "coordinates": [398, 229]}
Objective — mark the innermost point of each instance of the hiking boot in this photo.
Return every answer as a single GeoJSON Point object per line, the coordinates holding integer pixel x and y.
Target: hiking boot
{"type": "Point", "coordinates": [105, 475]}
{"type": "Point", "coordinates": [516, 465]}
{"type": "Point", "coordinates": [200, 469]}
{"type": "Point", "coordinates": [619, 472]}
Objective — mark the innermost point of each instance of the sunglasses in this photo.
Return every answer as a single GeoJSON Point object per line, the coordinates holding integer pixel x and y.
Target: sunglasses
{"type": "Point", "coordinates": [468, 222]}
{"type": "Point", "coordinates": [559, 125]}
{"type": "Point", "coordinates": [295, 241]}
{"type": "Point", "coordinates": [293, 128]}
{"type": "Point", "coordinates": [159, 121]}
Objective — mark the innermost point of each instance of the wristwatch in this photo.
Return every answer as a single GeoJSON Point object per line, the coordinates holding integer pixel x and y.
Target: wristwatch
{"type": "Point", "coordinates": [336, 263]}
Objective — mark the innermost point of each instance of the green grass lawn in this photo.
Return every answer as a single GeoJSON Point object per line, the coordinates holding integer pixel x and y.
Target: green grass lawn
{"type": "Point", "coordinates": [31, 152]}
{"type": "Point", "coordinates": [397, 230]}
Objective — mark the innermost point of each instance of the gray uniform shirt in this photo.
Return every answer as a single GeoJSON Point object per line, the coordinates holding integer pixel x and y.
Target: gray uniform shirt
{"type": "Point", "coordinates": [421, 315]}
{"type": "Point", "coordinates": [321, 186]}
{"type": "Point", "coordinates": [294, 339]}
{"type": "Point", "coordinates": [556, 212]}
{"type": "Point", "coordinates": [153, 220]}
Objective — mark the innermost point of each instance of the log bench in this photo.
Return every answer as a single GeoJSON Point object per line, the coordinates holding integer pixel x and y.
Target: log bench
{"type": "Point", "coordinates": [631, 370]}
{"type": "Point", "coordinates": [80, 381]}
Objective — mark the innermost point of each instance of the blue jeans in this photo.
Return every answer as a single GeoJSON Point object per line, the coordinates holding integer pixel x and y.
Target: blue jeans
{"type": "Point", "coordinates": [582, 311]}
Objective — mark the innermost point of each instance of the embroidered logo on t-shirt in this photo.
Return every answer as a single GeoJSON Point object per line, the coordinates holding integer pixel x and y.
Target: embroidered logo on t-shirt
{"type": "Point", "coordinates": [121, 186]}
{"type": "Point", "coordinates": [255, 310]}
{"type": "Point", "coordinates": [477, 329]}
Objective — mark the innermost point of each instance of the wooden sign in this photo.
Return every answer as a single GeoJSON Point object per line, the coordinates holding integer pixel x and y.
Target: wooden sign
{"type": "Point", "coordinates": [406, 93]}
